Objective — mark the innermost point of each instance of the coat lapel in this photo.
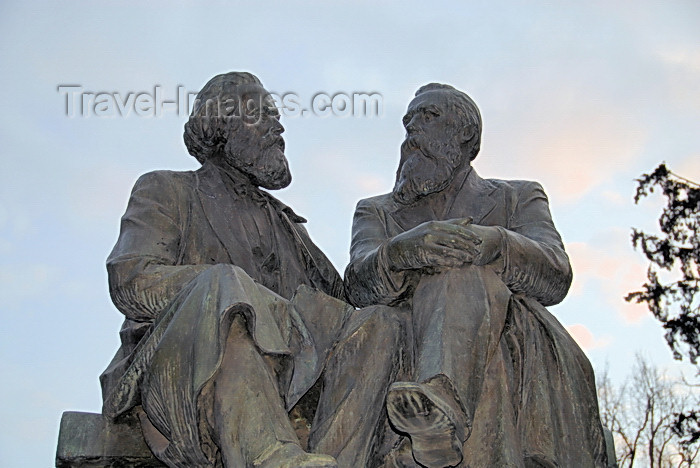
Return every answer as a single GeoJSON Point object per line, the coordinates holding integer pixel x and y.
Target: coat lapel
{"type": "Point", "coordinates": [408, 217]}
{"type": "Point", "coordinates": [319, 268]}
{"type": "Point", "coordinates": [218, 206]}
{"type": "Point", "coordinates": [476, 198]}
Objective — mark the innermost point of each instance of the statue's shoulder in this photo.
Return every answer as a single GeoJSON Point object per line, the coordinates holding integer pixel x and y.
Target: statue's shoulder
{"type": "Point", "coordinates": [384, 199]}
{"type": "Point", "coordinates": [516, 186]}
{"type": "Point", "coordinates": [166, 180]}
{"type": "Point", "coordinates": [165, 188]}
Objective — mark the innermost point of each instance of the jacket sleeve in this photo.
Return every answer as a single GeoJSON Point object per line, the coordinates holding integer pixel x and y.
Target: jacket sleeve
{"type": "Point", "coordinates": [142, 269]}
{"type": "Point", "coordinates": [534, 261]}
{"type": "Point", "coordinates": [368, 279]}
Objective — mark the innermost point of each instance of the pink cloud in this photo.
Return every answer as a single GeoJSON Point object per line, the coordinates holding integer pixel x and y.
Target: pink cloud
{"type": "Point", "coordinates": [569, 139]}
{"type": "Point", "coordinates": [616, 269]}
{"type": "Point", "coordinates": [633, 313]}
{"type": "Point", "coordinates": [689, 168]}
{"type": "Point", "coordinates": [582, 149]}
{"type": "Point", "coordinates": [585, 338]}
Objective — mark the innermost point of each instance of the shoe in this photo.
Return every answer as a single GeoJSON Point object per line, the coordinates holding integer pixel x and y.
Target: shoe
{"type": "Point", "coordinates": [400, 456]}
{"type": "Point", "coordinates": [292, 456]}
{"type": "Point", "coordinates": [436, 427]}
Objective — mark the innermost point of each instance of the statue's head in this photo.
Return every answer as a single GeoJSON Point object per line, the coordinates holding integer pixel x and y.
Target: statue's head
{"type": "Point", "coordinates": [235, 122]}
{"type": "Point", "coordinates": [443, 134]}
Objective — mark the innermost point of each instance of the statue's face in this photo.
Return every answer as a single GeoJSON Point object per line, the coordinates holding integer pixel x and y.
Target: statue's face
{"type": "Point", "coordinates": [431, 152]}
{"type": "Point", "coordinates": [428, 114]}
{"type": "Point", "coordinates": [255, 145]}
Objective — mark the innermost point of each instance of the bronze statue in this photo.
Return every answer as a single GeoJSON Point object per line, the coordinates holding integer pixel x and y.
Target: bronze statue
{"type": "Point", "coordinates": [230, 307]}
{"type": "Point", "coordinates": [463, 365]}
{"type": "Point", "coordinates": [451, 358]}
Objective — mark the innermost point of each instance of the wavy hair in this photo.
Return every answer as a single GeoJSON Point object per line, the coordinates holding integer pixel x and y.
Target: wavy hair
{"type": "Point", "coordinates": [463, 106]}
{"type": "Point", "coordinates": [207, 128]}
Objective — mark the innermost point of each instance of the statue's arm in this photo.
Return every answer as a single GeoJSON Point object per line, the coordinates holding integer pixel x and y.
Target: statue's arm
{"type": "Point", "coordinates": [368, 278]}
{"type": "Point", "coordinates": [142, 268]}
{"type": "Point", "coordinates": [534, 260]}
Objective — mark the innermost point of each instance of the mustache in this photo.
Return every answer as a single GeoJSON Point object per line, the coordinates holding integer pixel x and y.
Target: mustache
{"type": "Point", "coordinates": [419, 143]}
{"type": "Point", "coordinates": [269, 141]}
{"type": "Point", "coordinates": [414, 142]}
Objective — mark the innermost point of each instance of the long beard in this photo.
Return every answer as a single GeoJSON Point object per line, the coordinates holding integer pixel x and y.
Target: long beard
{"type": "Point", "coordinates": [266, 166]}
{"type": "Point", "coordinates": [427, 166]}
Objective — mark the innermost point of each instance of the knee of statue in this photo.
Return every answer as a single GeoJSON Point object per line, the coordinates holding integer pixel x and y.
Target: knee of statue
{"type": "Point", "coordinates": [459, 281]}
{"type": "Point", "coordinates": [224, 277]}
{"type": "Point", "coordinates": [223, 271]}
{"type": "Point", "coordinates": [376, 323]}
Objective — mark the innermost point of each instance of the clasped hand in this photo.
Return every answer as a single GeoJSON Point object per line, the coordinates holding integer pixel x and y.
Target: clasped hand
{"type": "Point", "coordinates": [444, 244]}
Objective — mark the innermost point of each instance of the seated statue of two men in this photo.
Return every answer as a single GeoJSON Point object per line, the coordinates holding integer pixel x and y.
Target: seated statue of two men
{"type": "Point", "coordinates": [436, 350]}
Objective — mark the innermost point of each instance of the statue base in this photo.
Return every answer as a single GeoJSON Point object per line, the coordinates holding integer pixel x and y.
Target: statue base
{"type": "Point", "coordinates": [91, 440]}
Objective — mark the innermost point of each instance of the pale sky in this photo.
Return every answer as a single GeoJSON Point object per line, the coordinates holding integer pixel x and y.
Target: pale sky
{"type": "Point", "coordinates": [581, 96]}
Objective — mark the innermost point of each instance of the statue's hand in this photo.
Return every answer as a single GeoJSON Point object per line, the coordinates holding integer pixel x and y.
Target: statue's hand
{"type": "Point", "coordinates": [489, 245]}
{"type": "Point", "coordinates": [435, 244]}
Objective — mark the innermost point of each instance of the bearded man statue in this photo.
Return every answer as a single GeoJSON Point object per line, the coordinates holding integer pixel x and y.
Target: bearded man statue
{"type": "Point", "coordinates": [230, 307]}
{"type": "Point", "coordinates": [463, 366]}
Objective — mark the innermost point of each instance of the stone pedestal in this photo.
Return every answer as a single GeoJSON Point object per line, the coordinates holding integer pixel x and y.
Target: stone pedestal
{"type": "Point", "coordinates": [91, 440]}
